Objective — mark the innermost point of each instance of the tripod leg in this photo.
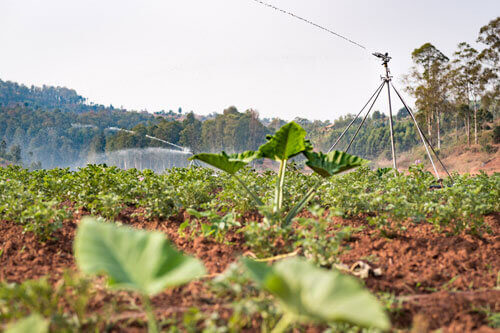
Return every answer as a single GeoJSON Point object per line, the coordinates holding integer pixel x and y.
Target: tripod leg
{"type": "Point", "coordinates": [364, 119]}
{"type": "Point", "coordinates": [393, 147]}
{"type": "Point", "coordinates": [352, 122]}
{"type": "Point", "coordinates": [424, 139]}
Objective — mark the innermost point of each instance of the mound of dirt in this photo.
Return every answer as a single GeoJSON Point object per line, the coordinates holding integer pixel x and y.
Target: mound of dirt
{"type": "Point", "coordinates": [423, 260]}
{"type": "Point", "coordinates": [24, 257]}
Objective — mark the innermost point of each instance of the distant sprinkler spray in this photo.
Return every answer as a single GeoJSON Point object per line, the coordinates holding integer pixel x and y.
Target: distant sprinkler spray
{"type": "Point", "coordinates": [184, 149]}
{"type": "Point", "coordinates": [120, 129]}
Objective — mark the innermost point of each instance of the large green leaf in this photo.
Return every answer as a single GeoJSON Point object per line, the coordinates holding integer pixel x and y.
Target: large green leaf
{"type": "Point", "coordinates": [133, 259]}
{"type": "Point", "coordinates": [228, 163]}
{"type": "Point", "coordinates": [287, 142]}
{"type": "Point", "coordinates": [314, 294]}
{"type": "Point", "coordinates": [32, 324]}
{"type": "Point", "coordinates": [246, 157]}
{"type": "Point", "coordinates": [332, 163]}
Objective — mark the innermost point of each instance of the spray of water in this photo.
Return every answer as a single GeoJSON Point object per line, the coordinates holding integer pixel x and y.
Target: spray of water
{"type": "Point", "coordinates": [150, 137]}
{"type": "Point", "coordinates": [169, 143]}
{"type": "Point", "coordinates": [120, 129]}
{"type": "Point", "coordinates": [156, 159]}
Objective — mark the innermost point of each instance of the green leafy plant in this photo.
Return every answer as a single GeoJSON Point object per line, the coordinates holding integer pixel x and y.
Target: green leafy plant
{"type": "Point", "coordinates": [287, 142]}
{"type": "Point", "coordinates": [268, 239]}
{"type": "Point", "coordinates": [310, 294]}
{"type": "Point", "coordinates": [43, 219]}
{"type": "Point", "coordinates": [137, 260]}
{"type": "Point", "coordinates": [215, 226]}
{"type": "Point", "coordinates": [320, 240]}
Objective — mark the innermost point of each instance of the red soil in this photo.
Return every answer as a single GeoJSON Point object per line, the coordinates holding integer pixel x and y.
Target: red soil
{"type": "Point", "coordinates": [439, 280]}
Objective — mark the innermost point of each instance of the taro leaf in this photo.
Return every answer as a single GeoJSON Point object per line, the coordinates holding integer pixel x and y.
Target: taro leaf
{"type": "Point", "coordinates": [133, 259]}
{"type": "Point", "coordinates": [332, 163]}
{"type": "Point", "coordinates": [313, 294]}
{"type": "Point", "coordinates": [32, 324]}
{"type": "Point", "coordinates": [287, 142]}
{"type": "Point", "coordinates": [228, 163]}
{"type": "Point", "coordinates": [246, 157]}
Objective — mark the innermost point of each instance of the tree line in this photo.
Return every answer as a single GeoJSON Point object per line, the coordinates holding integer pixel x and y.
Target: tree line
{"type": "Point", "coordinates": [232, 131]}
{"type": "Point", "coordinates": [51, 137]}
{"type": "Point", "coordinates": [463, 90]}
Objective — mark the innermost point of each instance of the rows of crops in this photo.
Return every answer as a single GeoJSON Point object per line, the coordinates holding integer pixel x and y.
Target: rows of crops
{"type": "Point", "coordinates": [36, 199]}
{"type": "Point", "coordinates": [282, 215]}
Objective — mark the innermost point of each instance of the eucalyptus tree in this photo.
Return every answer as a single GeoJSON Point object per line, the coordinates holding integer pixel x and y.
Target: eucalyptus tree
{"type": "Point", "coordinates": [469, 73]}
{"type": "Point", "coordinates": [458, 89]}
{"type": "Point", "coordinates": [489, 36]}
{"type": "Point", "coordinates": [428, 80]}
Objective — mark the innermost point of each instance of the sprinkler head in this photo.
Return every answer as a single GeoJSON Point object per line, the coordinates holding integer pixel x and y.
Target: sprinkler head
{"type": "Point", "coordinates": [385, 57]}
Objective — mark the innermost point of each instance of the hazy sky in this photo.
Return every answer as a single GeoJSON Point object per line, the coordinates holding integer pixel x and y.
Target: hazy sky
{"type": "Point", "coordinates": [205, 55]}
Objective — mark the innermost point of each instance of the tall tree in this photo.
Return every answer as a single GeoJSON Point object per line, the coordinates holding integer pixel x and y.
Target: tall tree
{"type": "Point", "coordinates": [469, 70]}
{"type": "Point", "coordinates": [489, 36]}
{"type": "Point", "coordinates": [428, 76]}
{"type": "Point", "coordinates": [190, 136]}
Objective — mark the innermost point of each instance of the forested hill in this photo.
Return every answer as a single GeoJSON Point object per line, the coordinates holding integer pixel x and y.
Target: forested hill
{"type": "Point", "coordinates": [49, 127]}
{"type": "Point", "coordinates": [46, 97]}
{"type": "Point", "coordinates": [53, 126]}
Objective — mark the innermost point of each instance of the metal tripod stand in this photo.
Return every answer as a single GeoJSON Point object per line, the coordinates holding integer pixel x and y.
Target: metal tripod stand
{"type": "Point", "coordinates": [387, 80]}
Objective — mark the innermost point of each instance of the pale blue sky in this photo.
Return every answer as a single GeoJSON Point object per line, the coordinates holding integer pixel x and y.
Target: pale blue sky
{"type": "Point", "coordinates": [205, 55]}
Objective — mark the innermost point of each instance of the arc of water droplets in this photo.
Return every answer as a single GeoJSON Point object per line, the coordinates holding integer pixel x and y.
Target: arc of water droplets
{"type": "Point", "coordinates": [184, 149]}
{"type": "Point", "coordinates": [169, 143]}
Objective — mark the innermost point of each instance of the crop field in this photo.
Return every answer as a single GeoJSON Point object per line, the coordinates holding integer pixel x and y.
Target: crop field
{"type": "Point", "coordinates": [197, 249]}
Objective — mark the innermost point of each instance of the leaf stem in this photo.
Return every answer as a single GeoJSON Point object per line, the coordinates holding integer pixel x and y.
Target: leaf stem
{"type": "Point", "coordinates": [152, 324]}
{"type": "Point", "coordinates": [254, 197]}
{"type": "Point", "coordinates": [278, 196]}
{"type": "Point", "coordinates": [298, 207]}
{"type": "Point", "coordinates": [283, 324]}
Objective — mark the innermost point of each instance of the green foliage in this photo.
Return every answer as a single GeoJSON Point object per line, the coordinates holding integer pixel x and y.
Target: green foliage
{"type": "Point", "coordinates": [332, 163]}
{"type": "Point", "coordinates": [43, 218]}
{"type": "Point", "coordinates": [64, 305]}
{"type": "Point", "coordinates": [231, 131]}
{"type": "Point", "coordinates": [38, 200]}
{"type": "Point", "coordinates": [133, 259]}
{"type": "Point", "coordinates": [395, 197]}
{"type": "Point", "coordinates": [32, 324]}
{"type": "Point", "coordinates": [214, 226]}
{"type": "Point", "coordinates": [221, 161]}
{"type": "Point", "coordinates": [319, 240]}
{"type": "Point", "coordinates": [269, 239]}
{"type": "Point", "coordinates": [310, 294]}
{"type": "Point", "coordinates": [382, 171]}
{"type": "Point", "coordinates": [286, 143]}
{"type": "Point", "coordinates": [58, 138]}
{"type": "Point", "coordinates": [138, 260]}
